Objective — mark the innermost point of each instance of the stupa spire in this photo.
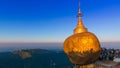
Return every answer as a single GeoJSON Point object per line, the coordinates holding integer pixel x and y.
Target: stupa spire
{"type": "Point", "coordinates": [80, 26]}
{"type": "Point", "coordinates": [82, 46]}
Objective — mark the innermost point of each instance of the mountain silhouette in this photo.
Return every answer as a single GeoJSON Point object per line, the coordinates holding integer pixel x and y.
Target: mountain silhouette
{"type": "Point", "coordinates": [34, 58]}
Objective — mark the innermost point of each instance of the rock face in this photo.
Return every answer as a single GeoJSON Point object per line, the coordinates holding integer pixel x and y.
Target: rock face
{"type": "Point", "coordinates": [23, 54]}
{"type": "Point", "coordinates": [82, 48]}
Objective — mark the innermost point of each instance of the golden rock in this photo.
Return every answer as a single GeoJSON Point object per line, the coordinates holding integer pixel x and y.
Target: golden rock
{"type": "Point", "coordinates": [82, 47]}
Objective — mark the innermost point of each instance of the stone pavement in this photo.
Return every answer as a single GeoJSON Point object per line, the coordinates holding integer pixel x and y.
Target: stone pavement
{"type": "Point", "coordinates": [101, 64]}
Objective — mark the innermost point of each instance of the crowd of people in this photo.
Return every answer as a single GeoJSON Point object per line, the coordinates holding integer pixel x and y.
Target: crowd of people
{"type": "Point", "coordinates": [109, 54]}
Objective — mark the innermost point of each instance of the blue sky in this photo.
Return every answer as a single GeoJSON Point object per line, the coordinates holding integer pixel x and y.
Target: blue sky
{"type": "Point", "coordinates": [54, 20]}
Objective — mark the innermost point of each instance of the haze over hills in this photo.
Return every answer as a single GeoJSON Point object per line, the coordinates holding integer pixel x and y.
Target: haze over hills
{"type": "Point", "coordinates": [18, 46]}
{"type": "Point", "coordinates": [41, 58]}
{"type": "Point", "coordinates": [48, 46]}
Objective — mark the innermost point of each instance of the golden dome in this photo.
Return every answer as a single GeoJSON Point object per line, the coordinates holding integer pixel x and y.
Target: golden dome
{"type": "Point", "coordinates": [82, 47]}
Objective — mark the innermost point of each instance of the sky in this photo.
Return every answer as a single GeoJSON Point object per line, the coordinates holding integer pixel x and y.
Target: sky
{"type": "Point", "coordinates": [55, 20]}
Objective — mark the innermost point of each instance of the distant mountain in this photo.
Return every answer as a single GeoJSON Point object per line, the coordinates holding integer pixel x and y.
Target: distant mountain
{"type": "Point", "coordinates": [34, 58]}
{"type": "Point", "coordinates": [40, 58]}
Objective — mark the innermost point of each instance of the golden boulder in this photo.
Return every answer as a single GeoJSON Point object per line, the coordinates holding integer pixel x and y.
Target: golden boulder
{"type": "Point", "coordinates": [82, 48]}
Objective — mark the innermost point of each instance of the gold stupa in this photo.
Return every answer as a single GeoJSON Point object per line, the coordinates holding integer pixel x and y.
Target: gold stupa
{"type": "Point", "coordinates": [82, 47]}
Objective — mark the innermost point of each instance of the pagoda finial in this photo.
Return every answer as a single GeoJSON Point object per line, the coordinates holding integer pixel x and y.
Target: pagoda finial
{"type": "Point", "coordinates": [79, 12]}
{"type": "Point", "coordinates": [80, 26]}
